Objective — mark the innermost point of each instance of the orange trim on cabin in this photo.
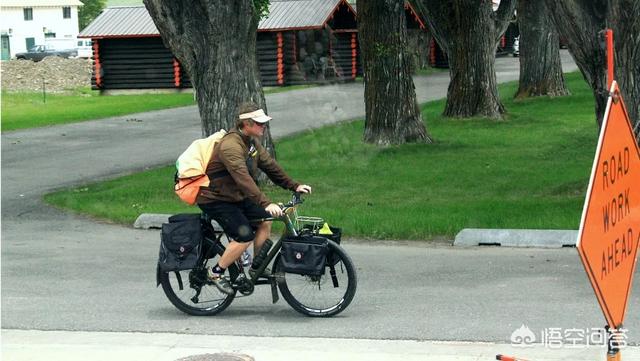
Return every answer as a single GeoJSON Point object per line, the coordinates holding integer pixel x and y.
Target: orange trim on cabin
{"type": "Point", "coordinates": [176, 73]}
{"type": "Point", "coordinates": [96, 63]}
{"type": "Point", "coordinates": [354, 56]}
{"type": "Point", "coordinates": [415, 15]}
{"type": "Point", "coordinates": [280, 59]}
{"type": "Point", "coordinates": [432, 52]}
{"type": "Point", "coordinates": [324, 23]}
{"type": "Point", "coordinates": [350, 8]}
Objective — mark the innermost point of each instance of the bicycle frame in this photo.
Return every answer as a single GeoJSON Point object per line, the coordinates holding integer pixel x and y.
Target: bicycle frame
{"type": "Point", "coordinates": [290, 229]}
{"type": "Point", "coordinates": [216, 246]}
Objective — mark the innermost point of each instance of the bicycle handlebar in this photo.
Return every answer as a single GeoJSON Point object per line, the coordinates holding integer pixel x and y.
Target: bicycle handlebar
{"type": "Point", "coordinates": [295, 199]}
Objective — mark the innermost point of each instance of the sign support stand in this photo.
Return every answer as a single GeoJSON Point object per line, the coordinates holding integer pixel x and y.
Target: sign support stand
{"type": "Point", "coordinates": [609, 236]}
{"type": "Point", "coordinates": [608, 33]}
{"type": "Point", "coordinates": [613, 344]}
{"type": "Point", "coordinates": [613, 349]}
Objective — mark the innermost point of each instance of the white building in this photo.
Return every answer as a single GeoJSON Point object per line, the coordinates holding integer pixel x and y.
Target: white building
{"type": "Point", "coordinates": [26, 23]}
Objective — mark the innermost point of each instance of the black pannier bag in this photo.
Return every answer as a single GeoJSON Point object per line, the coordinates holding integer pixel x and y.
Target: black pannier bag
{"type": "Point", "coordinates": [336, 237]}
{"type": "Point", "coordinates": [180, 243]}
{"type": "Point", "coordinates": [304, 255]}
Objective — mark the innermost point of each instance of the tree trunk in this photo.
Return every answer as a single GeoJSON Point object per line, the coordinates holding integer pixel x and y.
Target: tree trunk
{"type": "Point", "coordinates": [215, 40]}
{"type": "Point", "coordinates": [540, 67]}
{"type": "Point", "coordinates": [580, 23]}
{"type": "Point", "coordinates": [392, 112]}
{"type": "Point", "coordinates": [418, 41]}
{"type": "Point", "coordinates": [471, 52]}
{"type": "Point", "coordinates": [469, 31]}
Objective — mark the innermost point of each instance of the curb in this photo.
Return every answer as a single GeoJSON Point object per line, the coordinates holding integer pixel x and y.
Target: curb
{"type": "Point", "coordinates": [155, 221]}
{"type": "Point", "coordinates": [151, 220]}
{"type": "Point", "coordinates": [547, 238]}
{"type": "Point", "coordinates": [468, 237]}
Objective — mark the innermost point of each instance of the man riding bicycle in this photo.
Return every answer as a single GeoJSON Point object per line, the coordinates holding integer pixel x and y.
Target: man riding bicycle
{"type": "Point", "coordinates": [233, 198]}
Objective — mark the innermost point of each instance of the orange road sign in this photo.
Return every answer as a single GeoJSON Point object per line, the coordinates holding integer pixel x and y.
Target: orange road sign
{"type": "Point", "coordinates": [610, 227]}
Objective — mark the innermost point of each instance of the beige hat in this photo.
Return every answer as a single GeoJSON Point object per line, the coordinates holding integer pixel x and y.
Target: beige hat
{"type": "Point", "coordinates": [257, 116]}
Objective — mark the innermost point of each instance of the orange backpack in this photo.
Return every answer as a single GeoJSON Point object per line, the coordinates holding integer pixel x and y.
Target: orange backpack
{"type": "Point", "coordinates": [192, 165]}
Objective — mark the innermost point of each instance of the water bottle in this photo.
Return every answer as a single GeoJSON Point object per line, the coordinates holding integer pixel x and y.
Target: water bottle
{"type": "Point", "coordinates": [260, 257]}
{"type": "Point", "coordinates": [246, 259]}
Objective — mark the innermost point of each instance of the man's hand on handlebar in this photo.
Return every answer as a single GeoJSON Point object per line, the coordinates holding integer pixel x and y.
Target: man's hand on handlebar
{"type": "Point", "coordinates": [303, 188]}
{"type": "Point", "coordinates": [274, 210]}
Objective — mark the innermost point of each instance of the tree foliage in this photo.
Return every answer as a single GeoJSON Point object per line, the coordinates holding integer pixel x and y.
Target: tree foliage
{"type": "Point", "coordinates": [262, 8]}
{"type": "Point", "coordinates": [89, 11]}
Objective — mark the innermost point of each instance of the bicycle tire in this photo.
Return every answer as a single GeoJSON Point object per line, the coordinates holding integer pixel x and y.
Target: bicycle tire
{"type": "Point", "coordinates": [294, 287]}
{"type": "Point", "coordinates": [182, 299]}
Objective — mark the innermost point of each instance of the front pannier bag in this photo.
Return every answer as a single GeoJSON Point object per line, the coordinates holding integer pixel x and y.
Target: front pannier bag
{"type": "Point", "coordinates": [304, 255]}
{"type": "Point", "coordinates": [181, 243]}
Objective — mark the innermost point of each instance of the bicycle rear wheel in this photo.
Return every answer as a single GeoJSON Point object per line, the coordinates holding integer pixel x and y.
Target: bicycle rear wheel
{"type": "Point", "coordinates": [192, 293]}
{"type": "Point", "coordinates": [320, 296]}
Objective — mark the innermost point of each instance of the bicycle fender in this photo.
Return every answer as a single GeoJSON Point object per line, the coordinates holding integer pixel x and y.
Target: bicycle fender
{"type": "Point", "coordinates": [157, 276]}
{"type": "Point", "coordinates": [274, 291]}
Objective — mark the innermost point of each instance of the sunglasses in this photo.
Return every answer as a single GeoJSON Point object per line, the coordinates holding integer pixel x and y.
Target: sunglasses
{"type": "Point", "coordinates": [260, 124]}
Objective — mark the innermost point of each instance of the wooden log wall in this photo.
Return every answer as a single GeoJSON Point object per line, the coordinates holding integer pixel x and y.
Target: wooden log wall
{"type": "Point", "coordinates": [345, 52]}
{"type": "Point", "coordinates": [293, 73]}
{"type": "Point", "coordinates": [136, 63]}
{"type": "Point", "coordinates": [267, 55]}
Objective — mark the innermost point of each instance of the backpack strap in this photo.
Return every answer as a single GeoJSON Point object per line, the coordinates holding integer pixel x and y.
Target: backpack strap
{"type": "Point", "coordinates": [225, 173]}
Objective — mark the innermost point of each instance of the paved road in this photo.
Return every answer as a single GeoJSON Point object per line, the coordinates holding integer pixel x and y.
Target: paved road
{"type": "Point", "coordinates": [65, 272]}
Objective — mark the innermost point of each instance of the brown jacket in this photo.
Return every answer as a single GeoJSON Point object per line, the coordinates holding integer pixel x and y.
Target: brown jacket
{"type": "Point", "coordinates": [235, 159]}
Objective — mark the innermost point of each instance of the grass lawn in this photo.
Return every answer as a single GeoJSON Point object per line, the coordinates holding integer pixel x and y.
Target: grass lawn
{"type": "Point", "coordinates": [530, 171]}
{"type": "Point", "coordinates": [29, 110]}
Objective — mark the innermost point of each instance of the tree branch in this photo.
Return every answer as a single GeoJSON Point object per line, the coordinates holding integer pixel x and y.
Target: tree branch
{"type": "Point", "coordinates": [503, 17]}
{"type": "Point", "coordinates": [439, 24]}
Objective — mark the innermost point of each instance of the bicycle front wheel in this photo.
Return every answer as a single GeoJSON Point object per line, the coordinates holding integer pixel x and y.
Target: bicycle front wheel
{"type": "Point", "coordinates": [320, 296]}
{"type": "Point", "coordinates": [191, 292]}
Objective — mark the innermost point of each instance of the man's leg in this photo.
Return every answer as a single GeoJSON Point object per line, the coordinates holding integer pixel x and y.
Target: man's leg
{"type": "Point", "coordinates": [234, 249]}
{"type": "Point", "coordinates": [232, 253]}
{"type": "Point", "coordinates": [262, 233]}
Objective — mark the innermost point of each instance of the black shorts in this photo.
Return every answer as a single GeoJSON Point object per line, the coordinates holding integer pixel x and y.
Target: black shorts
{"type": "Point", "coordinates": [234, 218]}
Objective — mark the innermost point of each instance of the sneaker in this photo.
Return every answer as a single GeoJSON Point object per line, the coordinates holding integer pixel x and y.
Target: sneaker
{"type": "Point", "coordinates": [266, 273]}
{"type": "Point", "coordinates": [246, 259]}
{"type": "Point", "coordinates": [221, 282]}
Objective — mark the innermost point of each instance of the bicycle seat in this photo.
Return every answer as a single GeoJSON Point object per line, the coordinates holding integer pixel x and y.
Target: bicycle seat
{"type": "Point", "coordinates": [208, 221]}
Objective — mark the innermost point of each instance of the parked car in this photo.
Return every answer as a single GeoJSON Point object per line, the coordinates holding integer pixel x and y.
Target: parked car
{"type": "Point", "coordinates": [39, 52]}
{"type": "Point", "coordinates": [84, 48]}
{"type": "Point", "coordinates": [516, 47]}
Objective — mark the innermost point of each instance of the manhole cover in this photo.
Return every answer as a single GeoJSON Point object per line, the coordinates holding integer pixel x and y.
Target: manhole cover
{"type": "Point", "coordinates": [218, 357]}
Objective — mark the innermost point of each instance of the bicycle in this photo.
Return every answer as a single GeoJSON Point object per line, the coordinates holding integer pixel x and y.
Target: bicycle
{"type": "Point", "coordinates": [325, 295]}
